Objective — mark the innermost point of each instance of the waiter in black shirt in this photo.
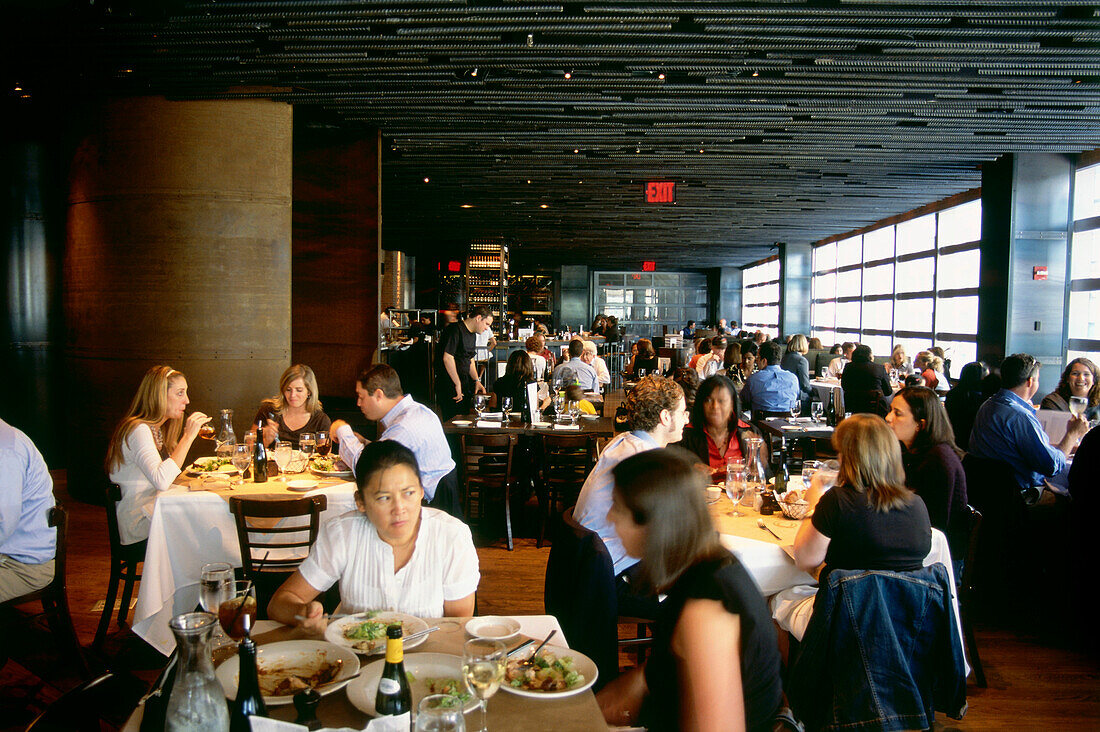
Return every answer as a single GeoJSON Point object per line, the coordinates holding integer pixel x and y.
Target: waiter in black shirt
{"type": "Point", "coordinates": [459, 380]}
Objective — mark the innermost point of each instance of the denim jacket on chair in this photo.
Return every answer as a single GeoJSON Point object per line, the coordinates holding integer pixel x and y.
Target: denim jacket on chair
{"type": "Point", "coordinates": [881, 652]}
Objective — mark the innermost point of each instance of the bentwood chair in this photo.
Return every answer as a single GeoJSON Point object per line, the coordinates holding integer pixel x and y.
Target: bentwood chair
{"type": "Point", "coordinates": [125, 562]}
{"type": "Point", "coordinates": [486, 469]}
{"type": "Point", "coordinates": [566, 462]}
{"type": "Point", "coordinates": [967, 595]}
{"type": "Point", "coordinates": [55, 597]}
{"type": "Point", "coordinates": [275, 536]}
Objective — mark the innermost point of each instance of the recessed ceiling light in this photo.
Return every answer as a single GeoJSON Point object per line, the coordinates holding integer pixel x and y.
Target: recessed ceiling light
{"type": "Point", "coordinates": [661, 76]}
{"type": "Point", "coordinates": [427, 180]}
{"type": "Point", "coordinates": [544, 205]}
{"type": "Point", "coordinates": [466, 205]}
{"type": "Point", "coordinates": [756, 73]}
{"type": "Point", "coordinates": [528, 181]}
{"type": "Point", "coordinates": [568, 74]}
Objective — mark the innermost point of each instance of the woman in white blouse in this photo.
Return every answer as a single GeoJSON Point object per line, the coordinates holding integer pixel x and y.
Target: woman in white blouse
{"type": "Point", "coordinates": [391, 553]}
{"type": "Point", "coordinates": [149, 447]}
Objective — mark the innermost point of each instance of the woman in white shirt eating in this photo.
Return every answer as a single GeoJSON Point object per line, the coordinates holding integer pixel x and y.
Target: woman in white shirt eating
{"type": "Point", "coordinates": [391, 553]}
{"type": "Point", "coordinates": [149, 447]}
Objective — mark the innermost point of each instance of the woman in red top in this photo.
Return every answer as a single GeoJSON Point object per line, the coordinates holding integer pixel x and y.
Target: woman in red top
{"type": "Point", "coordinates": [716, 433]}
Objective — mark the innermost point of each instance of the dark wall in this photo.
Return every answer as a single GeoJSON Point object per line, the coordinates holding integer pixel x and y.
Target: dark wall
{"type": "Point", "coordinates": [335, 255]}
{"type": "Point", "coordinates": [575, 296]}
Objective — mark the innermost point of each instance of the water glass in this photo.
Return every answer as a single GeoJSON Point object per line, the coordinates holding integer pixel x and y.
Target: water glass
{"type": "Point", "coordinates": [437, 713]}
{"type": "Point", "coordinates": [809, 467]}
{"type": "Point", "coordinates": [284, 451]}
{"type": "Point", "coordinates": [506, 408]}
{"type": "Point", "coordinates": [641, 373]}
{"type": "Point", "coordinates": [824, 372]}
{"type": "Point", "coordinates": [306, 442]}
{"type": "Point", "coordinates": [817, 411]}
{"type": "Point", "coordinates": [215, 585]}
{"type": "Point", "coordinates": [574, 410]}
{"type": "Point", "coordinates": [480, 402]}
{"type": "Point", "coordinates": [735, 483]}
{"type": "Point", "coordinates": [242, 459]}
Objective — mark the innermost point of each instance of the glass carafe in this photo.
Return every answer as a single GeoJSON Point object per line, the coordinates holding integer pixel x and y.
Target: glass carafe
{"type": "Point", "coordinates": [756, 475]}
{"type": "Point", "coordinates": [225, 437]}
{"type": "Point", "coordinates": [197, 701]}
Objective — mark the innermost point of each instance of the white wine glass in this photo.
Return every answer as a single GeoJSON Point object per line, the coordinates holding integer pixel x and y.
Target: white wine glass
{"type": "Point", "coordinates": [1078, 405]}
{"type": "Point", "coordinates": [480, 402]}
{"type": "Point", "coordinates": [437, 713]}
{"type": "Point", "coordinates": [817, 411]}
{"type": "Point", "coordinates": [284, 451]}
{"type": "Point", "coordinates": [574, 410]}
{"type": "Point", "coordinates": [242, 458]}
{"type": "Point", "coordinates": [506, 408]}
{"type": "Point", "coordinates": [483, 670]}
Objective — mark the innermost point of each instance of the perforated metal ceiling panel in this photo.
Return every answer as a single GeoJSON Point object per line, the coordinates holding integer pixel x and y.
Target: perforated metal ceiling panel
{"type": "Point", "coordinates": [779, 121]}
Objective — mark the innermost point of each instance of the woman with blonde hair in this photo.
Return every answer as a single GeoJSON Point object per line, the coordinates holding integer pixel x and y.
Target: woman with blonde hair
{"type": "Point", "coordinates": [794, 360]}
{"type": "Point", "coordinates": [868, 520]}
{"type": "Point", "coordinates": [899, 361]}
{"type": "Point", "coordinates": [149, 447]}
{"type": "Point", "coordinates": [295, 410]}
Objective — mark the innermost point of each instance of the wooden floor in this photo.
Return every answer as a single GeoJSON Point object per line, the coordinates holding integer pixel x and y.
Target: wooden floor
{"type": "Point", "coordinates": [1034, 683]}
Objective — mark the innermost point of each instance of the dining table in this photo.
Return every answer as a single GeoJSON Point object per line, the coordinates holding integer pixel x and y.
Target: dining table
{"type": "Point", "coordinates": [191, 526]}
{"type": "Point", "coordinates": [585, 425]}
{"type": "Point", "coordinates": [506, 711]}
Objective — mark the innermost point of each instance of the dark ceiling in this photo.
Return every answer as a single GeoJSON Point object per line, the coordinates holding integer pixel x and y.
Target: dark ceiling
{"type": "Point", "coordinates": [780, 121]}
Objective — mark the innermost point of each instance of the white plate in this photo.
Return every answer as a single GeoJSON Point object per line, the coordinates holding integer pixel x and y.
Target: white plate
{"type": "Point", "coordinates": [590, 416]}
{"type": "Point", "coordinates": [193, 469]}
{"type": "Point", "coordinates": [461, 422]}
{"type": "Point", "coordinates": [583, 664]}
{"type": "Point", "coordinates": [493, 627]}
{"type": "Point", "coordinates": [292, 654]}
{"type": "Point", "coordinates": [541, 425]}
{"type": "Point", "coordinates": [422, 666]}
{"type": "Point", "coordinates": [345, 473]}
{"type": "Point", "coordinates": [334, 633]}
{"type": "Point", "coordinates": [301, 484]}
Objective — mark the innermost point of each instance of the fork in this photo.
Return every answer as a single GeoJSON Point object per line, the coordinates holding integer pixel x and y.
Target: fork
{"type": "Point", "coordinates": [530, 660]}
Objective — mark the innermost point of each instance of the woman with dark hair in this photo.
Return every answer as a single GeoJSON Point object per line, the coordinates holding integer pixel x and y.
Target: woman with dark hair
{"type": "Point", "coordinates": [646, 358]}
{"type": "Point", "coordinates": [815, 344]}
{"type": "Point", "coordinates": [702, 348]}
{"type": "Point", "coordinates": [715, 659]}
{"type": "Point", "coordinates": [1079, 379]}
{"type": "Point", "coordinates": [933, 469]}
{"type": "Point", "coordinates": [716, 434]}
{"type": "Point", "coordinates": [732, 356]}
{"type": "Point", "coordinates": [865, 383]}
{"type": "Point", "coordinates": [688, 379]}
{"type": "Point", "coordinates": [963, 400]}
{"type": "Point", "coordinates": [391, 553]}
{"type": "Point", "coordinates": [517, 375]}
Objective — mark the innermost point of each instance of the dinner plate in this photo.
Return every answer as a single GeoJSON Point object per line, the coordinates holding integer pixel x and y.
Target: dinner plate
{"type": "Point", "coordinates": [461, 422]}
{"type": "Point", "coordinates": [304, 655]}
{"type": "Point", "coordinates": [301, 484]}
{"type": "Point", "coordinates": [590, 416]}
{"type": "Point", "coordinates": [540, 425]}
{"type": "Point", "coordinates": [345, 473]}
{"type": "Point", "coordinates": [194, 468]}
{"type": "Point", "coordinates": [583, 664]}
{"type": "Point", "coordinates": [422, 667]}
{"type": "Point", "coordinates": [334, 633]}
{"type": "Point", "coordinates": [493, 627]}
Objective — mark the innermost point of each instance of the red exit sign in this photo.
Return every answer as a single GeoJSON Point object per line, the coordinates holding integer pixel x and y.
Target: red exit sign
{"type": "Point", "coordinates": [660, 191]}
{"type": "Point", "coordinates": [649, 266]}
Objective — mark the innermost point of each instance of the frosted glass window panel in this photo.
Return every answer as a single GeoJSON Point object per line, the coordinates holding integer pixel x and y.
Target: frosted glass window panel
{"type": "Point", "coordinates": [771, 315]}
{"type": "Point", "coordinates": [916, 235]}
{"type": "Point", "coordinates": [960, 354]}
{"type": "Point", "coordinates": [878, 315]}
{"type": "Point", "coordinates": [828, 337]}
{"type": "Point", "coordinates": [880, 345]}
{"type": "Point", "coordinates": [771, 270]}
{"type": "Point", "coordinates": [825, 257]}
{"type": "Point", "coordinates": [666, 280]}
{"type": "Point", "coordinates": [849, 251]}
{"type": "Point", "coordinates": [766, 293]}
{"type": "Point", "coordinates": [671, 297]}
{"type": "Point", "coordinates": [957, 315]}
{"type": "Point", "coordinates": [847, 315]}
{"type": "Point", "coordinates": [915, 275]}
{"type": "Point", "coordinates": [615, 312]}
{"type": "Point", "coordinates": [700, 296]}
{"type": "Point", "coordinates": [824, 286]}
{"type": "Point", "coordinates": [1084, 314]}
{"type": "Point", "coordinates": [915, 315]}
{"type": "Point", "coordinates": [1086, 195]}
{"type": "Point", "coordinates": [879, 280]}
{"type": "Point", "coordinates": [1086, 255]}
{"type": "Point", "coordinates": [1093, 356]}
{"type": "Point", "coordinates": [671, 315]}
{"type": "Point", "coordinates": [609, 280]}
{"type": "Point", "coordinates": [962, 269]}
{"type": "Point", "coordinates": [824, 315]}
{"type": "Point", "coordinates": [848, 283]}
{"type": "Point", "coordinates": [878, 244]}
{"type": "Point", "coordinates": [614, 297]}
{"type": "Point", "coordinates": [912, 346]}
{"type": "Point", "coordinates": [960, 224]}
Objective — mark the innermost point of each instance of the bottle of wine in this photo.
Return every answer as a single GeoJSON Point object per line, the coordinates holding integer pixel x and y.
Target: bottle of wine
{"type": "Point", "coordinates": [830, 411]}
{"type": "Point", "coordinates": [249, 701]}
{"type": "Point", "coordinates": [394, 697]}
{"type": "Point", "coordinates": [259, 455]}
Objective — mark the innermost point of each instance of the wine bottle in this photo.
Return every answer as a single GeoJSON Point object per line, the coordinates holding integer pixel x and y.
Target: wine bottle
{"type": "Point", "coordinates": [394, 697]}
{"type": "Point", "coordinates": [249, 702]}
{"type": "Point", "coordinates": [830, 411]}
{"type": "Point", "coordinates": [259, 455]}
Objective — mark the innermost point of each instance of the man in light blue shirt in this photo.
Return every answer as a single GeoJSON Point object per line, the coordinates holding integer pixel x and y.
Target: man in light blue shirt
{"type": "Point", "coordinates": [1006, 428]}
{"type": "Point", "coordinates": [583, 373]}
{"type": "Point", "coordinates": [771, 389]}
{"type": "Point", "coordinates": [27, 542]}
{"type": "Point", "coordinates": [658, 413]}
{"type": "Point", "coordinates": [381, 399]}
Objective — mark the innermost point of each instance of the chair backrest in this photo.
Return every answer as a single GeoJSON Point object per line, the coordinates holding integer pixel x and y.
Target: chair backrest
{"type": "Point", "coordinates": [58, 517]}
{"type": "Point", "coordinates": [265, 526]}
{"type": "Point", "coordinates": [579, 591]}
{"type": "Point", "coordinates": [113, 494]}
{"type": "Point", "coordinates": [966, 582]}
{"type": "Point", "coordinates": [487, 459]}
{"type": "Point", "coordinates": [567, 459]}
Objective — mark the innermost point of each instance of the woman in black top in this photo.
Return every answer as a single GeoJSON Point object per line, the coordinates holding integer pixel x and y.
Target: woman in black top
{"type": "Point", "coordinates": [1080, 379]}
{"type": "Point", "coordinates": [865, 383]}
{"type": "Point", "coordinates": [715, 658]}
{"type": "Point", "coordinates": [297, 409]}
{"type": "Point", "coordinates": [963, 400]}
{"type": "Point", "coordinates": [517, 375]}
{"type": "Point", "coordinates": [646, 359]}
{"type": "Point", "coordinates": [932, 466]}
{"type": "Point", "coordinates": [794, 360]}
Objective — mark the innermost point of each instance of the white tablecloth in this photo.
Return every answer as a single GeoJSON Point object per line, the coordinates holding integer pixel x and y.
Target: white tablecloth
{"type": "Point", "coordinates": [189, 529]}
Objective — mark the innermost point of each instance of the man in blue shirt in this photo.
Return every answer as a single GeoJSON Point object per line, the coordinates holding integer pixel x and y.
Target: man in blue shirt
{"type": "Point", "coordinates": [657, 413]}
{"type": "Point", "coordinates": [581, 373]}
{"type": "Point", "coordinates": [1006, 428]}
{"type": "Point", "coordinates": [27, 542]}
{"type": "Point", "coordinates": [770, 389]}
{"type": "Point", "coordinates": [688, 332]}
{"type": "Point", "coordinates": [382, 400]}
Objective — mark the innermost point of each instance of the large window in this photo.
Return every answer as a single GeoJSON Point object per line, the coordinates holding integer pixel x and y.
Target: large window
{"type": "Point", "coordinates": [646, 301]}
{"type": "Point", "coordinates": [760, 296]}
{"type": "Point", "coordinates": [1084, 278]}
{"type": "Point", "coordinates": [913, 283]}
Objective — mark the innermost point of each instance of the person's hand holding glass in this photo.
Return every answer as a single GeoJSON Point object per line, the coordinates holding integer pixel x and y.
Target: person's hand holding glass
{"type": "Point", "coordinates": [483, 670]}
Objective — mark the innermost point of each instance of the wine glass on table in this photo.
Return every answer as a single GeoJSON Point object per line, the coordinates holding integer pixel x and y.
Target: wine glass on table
{"type": "Point", "coordinates": [506, 409]}
{"type": "Point", "coordinates": [483, 669]}
{"type": "Point", "coordinates": [237, 614]}
{"type": "Point", "coordinates": [306, 443]}
{"type": "Point", "coordinates": [322, 444]}
{"type": "Point", "coordinates": [817, 411]}
{"type": "Point", "coordinates": [735, 483]}
{"type": "Point", "coordinates": [481, 401]}
{"type": "Point", "coordinates": [242, 459]}
{"type": "Point", "coordinates": [215, 587]}
{"type": "Point", "coordinates": [284, 451]}
{"type": "Point", "coordinates": [574, 410]}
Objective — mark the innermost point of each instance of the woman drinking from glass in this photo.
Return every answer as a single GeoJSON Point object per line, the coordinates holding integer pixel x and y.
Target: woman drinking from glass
{"type": "Point", "coordinates": [149, 447]}
{"type": "Point", "coordinates": [297, 409]}
{"type": "Point", "coordinates": [390, 553]}
{"type": "Point", "coordinates": [715, 658]}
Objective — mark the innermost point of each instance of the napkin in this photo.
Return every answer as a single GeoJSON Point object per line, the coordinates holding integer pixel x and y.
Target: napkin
{"type": "Point", "coordinates": [216, 482]}
{"type": "Point", "coordinates": [485, 423]}
{"type": "Point", "coordinates": [266, 724]}
{"type": "Point", "coordinates": [567, 426]}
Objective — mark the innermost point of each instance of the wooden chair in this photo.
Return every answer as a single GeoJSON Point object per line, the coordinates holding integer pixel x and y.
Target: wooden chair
{"type": "Point", "coordinates": [486, 469]}
{"type": "Point", "coordinates": [967, 596]}
{"type": "Point", "coordinates": [266, 527]}
{"type": "Point", "coordinates": [79, 709]}
{"type": "Point", "coordinates": [55, 597]}
{"type": "Point", "coordinates": [566, 462]}
{"type": "Point", "coordinates": [125, 562]}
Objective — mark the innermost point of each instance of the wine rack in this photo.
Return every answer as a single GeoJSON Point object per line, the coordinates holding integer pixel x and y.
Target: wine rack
{"type": "Point", "coordinates": [487, 276]}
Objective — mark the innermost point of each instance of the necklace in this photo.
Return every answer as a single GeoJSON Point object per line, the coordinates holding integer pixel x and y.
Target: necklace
{"type": "Point", "coordinates": [157, 437]}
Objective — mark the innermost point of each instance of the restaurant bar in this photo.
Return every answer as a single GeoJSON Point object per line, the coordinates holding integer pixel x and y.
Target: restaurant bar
{"type": "Point", "coordinates": [426, 366]}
